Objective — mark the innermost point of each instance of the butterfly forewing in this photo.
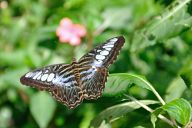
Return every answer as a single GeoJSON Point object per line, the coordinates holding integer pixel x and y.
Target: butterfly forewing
{"type": "Point", "coordinates": [43, 78]}
{"type": "Point", "coordinates": [103, 55]}
{"type": "Point", "coordinates": [57, 79]}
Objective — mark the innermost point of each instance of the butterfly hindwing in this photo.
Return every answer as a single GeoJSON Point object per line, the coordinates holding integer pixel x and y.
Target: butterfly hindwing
{"type": "Point", "coordinates": [92, 81]}
{"type": "Point", "coordinates": [71, 96]}
{"type": "Point", "coordinates": [58, 80]}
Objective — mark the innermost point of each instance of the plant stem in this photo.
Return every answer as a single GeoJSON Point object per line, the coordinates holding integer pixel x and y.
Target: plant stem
{"type": "Point", "coordinates": [153, 90]}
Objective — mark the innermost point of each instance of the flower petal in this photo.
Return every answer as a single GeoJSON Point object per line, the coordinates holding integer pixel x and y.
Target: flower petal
{"type": "Point", "coordinates": [66, 22]}
{"type": "Point", "coordinates": [69, 32]}
{"type": "Point", "coordinates": [75, 40]}
{"type": "Point", "coordinates": [79, 30]}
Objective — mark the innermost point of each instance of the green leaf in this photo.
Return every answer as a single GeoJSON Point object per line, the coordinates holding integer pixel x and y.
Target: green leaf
{"type": "Point", "coordinates": [173, 21]}
{"type": "Point", "coordinates": [186, 73]}
{"type": "Point", "coordinates": [17, 56]}
{"type": "Point", "coordinates": [138, 127]}
{"type": "Point", "coordinates": [113, 113]}
{"type": "Point", "coordinates": [105, 124]}
{"type": "Point", "coordinates": [187, 78]}
{"type": "Point", "coordinates": [6, 117]}
{"type": "Point", "coordinates": [42, 107]}
{"type": "Point", "coordinates": [179, 109]}
{"type": "Point", "coordinates": [15, 75]}
{"type": "Point", "coordinates": [74, 3]}
{"type": "Point", "coordinates": [110, 16]}
{"type": "Point", "coordinates": [46, 32]}
{"type": "Point", "coordinates": [120, 82]}
{"type": "Point", "coordinates": [16, 30]}
{"type": "Point", "coordinates": [175, 89]}
{"type": "Point", "coordinates": [153, 119]}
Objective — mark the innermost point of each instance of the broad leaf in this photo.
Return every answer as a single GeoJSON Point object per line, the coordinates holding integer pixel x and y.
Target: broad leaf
{"type": "Point", "coordinates": [105, 124]}
{"type": "Point", "coordinates": [186, 73]}
{"type": "Point", "coordinates": [175, 89]}
{"type": "Point", "coordinates": [120, 82]}
{"type": "Point", "coordinates": [179, 109]}
{"type": "Point", "coordinates": [153, 119]}
{"type": "Point", "coordinates": [111, 15]}
{"type": "Point", "coordinates": [15, 74]}
{"type": "Point", "coordinates": [173, 21]}
{"type": "Point", "coordinates": [113, 113]}
{"type": "Point", "coordinates": [139, 127]}
{"type": "Point", "coordinates": [42, 107]}
{"type": "Point", "coordinates": [7, 58]}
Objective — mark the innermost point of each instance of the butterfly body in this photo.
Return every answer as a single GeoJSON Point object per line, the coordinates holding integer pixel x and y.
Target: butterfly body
{"type": "Point", "coordinates": [83, 79]}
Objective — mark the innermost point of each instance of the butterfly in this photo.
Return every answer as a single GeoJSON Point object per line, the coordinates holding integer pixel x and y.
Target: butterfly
{"type": "Point", "coordinates": [83, 79]}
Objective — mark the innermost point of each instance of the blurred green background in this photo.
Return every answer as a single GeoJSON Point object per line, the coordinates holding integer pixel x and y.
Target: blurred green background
{"type": "Point", "coordinates": [158, 46]}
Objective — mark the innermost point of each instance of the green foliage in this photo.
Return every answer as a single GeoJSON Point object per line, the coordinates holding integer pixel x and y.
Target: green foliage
{"type": "Point", "coordinates": [171, 22]}
{"type": "Point", "coordinates": [158, 49]}
{"type": "Point", "coordinates": [186, 74]}
{"type": "Point", "coordinates": [179, 109]}
{"type": "Point", "coordinates": [42, 108]}
{"type": "Point", "coordinates": [175, 89]}
{"type": "Point", "coordinates": [119, 84]}
{"type": "Point", "coordinates": [113, 113]}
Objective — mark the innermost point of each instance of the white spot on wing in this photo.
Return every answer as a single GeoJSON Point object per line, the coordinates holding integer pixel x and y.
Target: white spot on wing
{"type": "Point", "coordinates": [98, 50]}
{"type": "Point", "coordinates": [36, 75]}
{"type": "Point", "coordinates": [46, 71]}
{"type": "Point", "coordinates": [108, 46]}
{"type": "Point", "coordinates": [39, 77]}
{"type": "Point", "coordinates": [29, 74]}
{"type": "Point", "coordinates": [97, 62]}
{"type": "Point", "coordinates": [90, 54]}
{"type": "Point", "coordinates": [44, 77]}
{"type": "Point", "coordinates": [104, 52]}
{"type": "Point", "coordinates": [108, 49]}
{"type": "Point", "coordinates": [114, 39]}
{"type": "Point", "coordinates": [110, 42]}
{"type": "Point", "coordinates": [57, 79]}
{"type": "Point", "coordinates": [50, 77]}
{"type": "Point", "coordinates": [94, 69]}
{"type": "Point", "coordinates": [100, 57]}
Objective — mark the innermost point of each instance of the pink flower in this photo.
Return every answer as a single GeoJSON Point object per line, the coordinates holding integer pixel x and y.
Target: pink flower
{"type": "Point", "coordinates": [69, 32]}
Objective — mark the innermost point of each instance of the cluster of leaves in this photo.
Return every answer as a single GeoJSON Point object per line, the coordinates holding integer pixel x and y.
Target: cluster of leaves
{"type": "Point", "coordinates": [158, 46]}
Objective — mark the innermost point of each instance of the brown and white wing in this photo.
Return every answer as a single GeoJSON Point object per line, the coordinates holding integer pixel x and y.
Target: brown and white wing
{"type": "Point", "coordinates": [92, 81]}
{"type": "Point", "coordinates": [59, 80]}
{"type": "Point", "coordinates": [103, 55]}
{"type": "Point", "coordinates": [93, 66]}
